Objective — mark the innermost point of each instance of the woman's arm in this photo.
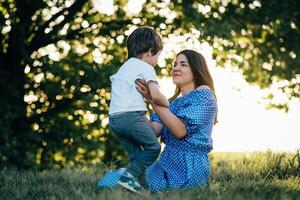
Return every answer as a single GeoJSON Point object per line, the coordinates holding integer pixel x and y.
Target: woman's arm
{"type": "Point", "coordinates": [156, 95]}
{"type": "Point", "coordinates": [156, 127]}
{"type": "Point", "coordinates": [171, 121]}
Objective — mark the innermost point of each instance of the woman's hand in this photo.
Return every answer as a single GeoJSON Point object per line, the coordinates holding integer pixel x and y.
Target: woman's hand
{"type": "Point", "coordinates": [142, 88]}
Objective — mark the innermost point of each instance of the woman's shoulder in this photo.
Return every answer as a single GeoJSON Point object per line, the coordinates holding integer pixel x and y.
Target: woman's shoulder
{"type": "Point", "coordinates": [200, 95]}
{"type": "Point", "coordinates": [203, 87]}
{"type": "Point", "coordinates": [202, 92]}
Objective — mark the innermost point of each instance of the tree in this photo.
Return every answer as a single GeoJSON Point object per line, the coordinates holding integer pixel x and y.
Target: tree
{"type": "Point", "coordinates": [54, 91]}
{"type": "Point", "coordinates": [56, 58]}
{"type": "Point", "coordinates": [261, 39]}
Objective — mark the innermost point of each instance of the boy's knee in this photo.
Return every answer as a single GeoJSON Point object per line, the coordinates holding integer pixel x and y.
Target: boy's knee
{"type": "Point", "coordinates": [156, 147]}
{"type": "Point", "coordinates": [153, 148]}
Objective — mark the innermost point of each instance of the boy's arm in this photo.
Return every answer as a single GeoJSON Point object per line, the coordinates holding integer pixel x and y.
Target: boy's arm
{"type": "Point", "coordinates": [157, 97]}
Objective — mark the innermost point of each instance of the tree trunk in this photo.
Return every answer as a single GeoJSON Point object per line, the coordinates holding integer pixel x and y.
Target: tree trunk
{"type": "Point", "coordinates": [18, 136]}
{"type": "Point", "coordinates": [16, 133]}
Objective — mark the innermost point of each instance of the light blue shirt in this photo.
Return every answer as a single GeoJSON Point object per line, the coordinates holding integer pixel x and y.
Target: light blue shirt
{"type": "Point", "coordinates": [124, 95]}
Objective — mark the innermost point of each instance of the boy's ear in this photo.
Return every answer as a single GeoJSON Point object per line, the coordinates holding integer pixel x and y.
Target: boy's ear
{"type": "Point", "coordinates": [149, 53]}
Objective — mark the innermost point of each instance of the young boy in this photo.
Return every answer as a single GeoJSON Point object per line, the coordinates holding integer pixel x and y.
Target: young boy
{"type": "Point", "coordinates": [127, 107]}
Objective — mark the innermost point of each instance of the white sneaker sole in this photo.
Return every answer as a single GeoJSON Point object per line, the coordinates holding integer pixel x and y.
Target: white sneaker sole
{"type": "Point", "coordinates": [126, 186]}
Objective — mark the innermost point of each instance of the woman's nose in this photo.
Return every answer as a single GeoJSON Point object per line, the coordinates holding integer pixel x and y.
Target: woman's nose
{"type": "Point", "coordinates": [176, 68]}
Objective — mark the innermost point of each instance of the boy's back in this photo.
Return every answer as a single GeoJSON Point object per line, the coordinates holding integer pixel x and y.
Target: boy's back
{"type": "Point", "coordinates": [124, 96]}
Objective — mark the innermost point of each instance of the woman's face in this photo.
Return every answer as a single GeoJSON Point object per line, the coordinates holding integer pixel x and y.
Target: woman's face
{"type": "Point", "coordinates": [182, 73]}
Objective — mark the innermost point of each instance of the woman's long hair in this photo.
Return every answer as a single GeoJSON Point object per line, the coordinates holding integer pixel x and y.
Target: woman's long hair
{"type": "Point", "coordinates": [200, 72]}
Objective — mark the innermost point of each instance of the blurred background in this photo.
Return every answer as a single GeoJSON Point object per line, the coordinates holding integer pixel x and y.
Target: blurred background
{"type": "Point", "coordinates": [56, 58]}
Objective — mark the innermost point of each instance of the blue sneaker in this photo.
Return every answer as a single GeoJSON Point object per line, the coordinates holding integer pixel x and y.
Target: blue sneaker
{"type": "Point", "coordinates": [129, 182]}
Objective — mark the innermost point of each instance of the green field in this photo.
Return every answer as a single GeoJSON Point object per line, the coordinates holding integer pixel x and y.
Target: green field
{"type": "Point", "coordinates": [259, 175]}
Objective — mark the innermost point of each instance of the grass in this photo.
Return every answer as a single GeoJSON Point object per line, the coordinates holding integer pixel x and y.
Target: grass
{"type": "Point", "coordinates": [260, 175]}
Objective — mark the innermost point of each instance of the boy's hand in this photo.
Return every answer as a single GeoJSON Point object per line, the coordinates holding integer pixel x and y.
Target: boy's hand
{"type": "Point", "coordinates": [142, 88]}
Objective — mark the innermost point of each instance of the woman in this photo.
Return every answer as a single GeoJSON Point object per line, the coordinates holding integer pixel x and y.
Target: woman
{"type": "Point", "coordinates": [185, 127]}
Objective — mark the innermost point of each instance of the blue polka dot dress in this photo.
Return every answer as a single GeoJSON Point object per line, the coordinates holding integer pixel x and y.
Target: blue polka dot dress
{"type": "Point", "coordinates": [184, 162]}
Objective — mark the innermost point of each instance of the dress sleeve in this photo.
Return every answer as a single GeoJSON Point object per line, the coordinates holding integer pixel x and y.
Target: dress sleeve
{"type": "Point", "coordinates": [198, 109]}
{"type": "Point", "coordinates": [155, 118]}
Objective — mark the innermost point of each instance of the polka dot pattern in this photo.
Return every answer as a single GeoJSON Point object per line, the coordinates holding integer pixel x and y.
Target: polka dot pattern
{"type": "Point", "coordinates": [110, 179]}
{"type": "Point", "coordinates": [184, 162]}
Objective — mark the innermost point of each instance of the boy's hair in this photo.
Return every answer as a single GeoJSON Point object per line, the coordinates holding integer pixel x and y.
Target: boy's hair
{"type": "Point", "coordinates": [143, 39]}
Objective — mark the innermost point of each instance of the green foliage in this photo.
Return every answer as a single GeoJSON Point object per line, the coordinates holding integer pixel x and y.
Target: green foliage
{"type": "Point", "coordinates": [56, 58]}
{"type": "Point", "coordinates": [247, 181]}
